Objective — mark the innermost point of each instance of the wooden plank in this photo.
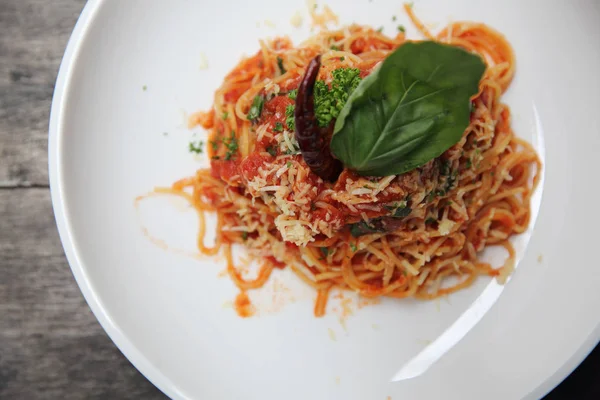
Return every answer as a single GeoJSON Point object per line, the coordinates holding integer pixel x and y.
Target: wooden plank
{"type": "Point", "coordinates": [33, 35]}
{"type": "Point", "coordinates": [51, 346]}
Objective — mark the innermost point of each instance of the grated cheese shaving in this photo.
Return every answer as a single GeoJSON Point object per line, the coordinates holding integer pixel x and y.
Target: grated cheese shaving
{"type": "Point", "coordinates": [296, 19]}
{"type": "Point", "coordinates": [203, 61]}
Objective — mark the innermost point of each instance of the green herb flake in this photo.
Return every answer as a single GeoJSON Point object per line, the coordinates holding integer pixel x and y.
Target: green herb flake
{"type": "Point", "coordinates": [244, 236]}
{"type": "Point", "coordinates": [292, 152]}
{"type": "Point", "coordinates": [324, 250]}
{"type": "Point", "coordinates": [393, 17]}
{"type": "Point", "coordinates": [380, 29]}
{"type": "Point", "coordinates": [329, 101]}
{"type": "Point", "coordinates": [214, 144]}
{"type": "Point", "coordinates": [196, 147]}
{"type": "Point", "coordinates": [225, 115]}
{"type": "Point", "coordinates": [364, 228]}
{"type": "Point", "coordinates": [280, 65]}
{"type": "Point", "coordinates": [289, 117]}
{"type": "Point", "coordinates": [342, 58]}
{"type": "Point", "coordinates": [469, 164]}
{"type": "Point", "coordinates": [144, 88]}
{"type": "Point", "coordinates": [256, 108]}
{"type": "Point", "coordinates": [335, 48]}
{"type": "Point", "coordinates": [278, 127]}
{"type": "Point", "coordinates": [232, 146]}
{"type": "Point", "coordinates": [430, 221]}
{"type": "Point", "coordinates": [401, 28]}
{"type": "Point", "coordinates": [353, 247]}
{"type": "Point", "coordinates": [272, 150]}
{"type": "Point", "coordinates": [403, 210]}
{"type": "Point", "coordinates": [293, 93]}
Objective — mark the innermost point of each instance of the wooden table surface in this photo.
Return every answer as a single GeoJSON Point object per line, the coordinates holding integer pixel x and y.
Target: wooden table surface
{"type": "Point", "coordinates": [51, 346]}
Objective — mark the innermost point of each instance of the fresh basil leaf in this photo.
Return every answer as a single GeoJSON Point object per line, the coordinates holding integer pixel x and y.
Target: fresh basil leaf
{"type": "Point", "coordinates": [410, 110]}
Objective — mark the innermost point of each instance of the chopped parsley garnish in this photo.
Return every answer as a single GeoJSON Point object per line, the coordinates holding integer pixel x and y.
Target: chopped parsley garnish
{"type": "Point", "coordinates": [324, 250]}
{"type": "Point", "coordinates": [256, 108]}
{"type": "Point", "coordinates": [278, 127]}
{"type": "Point", "coordinates": [288, 164]}
{"type": "Point", "coordinates": [430, 220]}
{"type": "Point", "coordinates": [196, 147]}
{"type": "Point", "coordinates": [144, 88]}
{"type": "Point", "coordinates": [393, 17]}
{"type": "Point", "coordinates": [289, 117]}
{"type": "Point", "coordinates": [232, 146]}
{"type": "Point", "coordinates": [450, 181]}
{"type": "Point", "coordinates": [380, 29]}
{"type": "Point", "coordinates": [334, 47]}
{"type": "Point", "coordinates": [244, 236]}
{"type": "Point", "coordinates": [402, 211]}
{"type": "Point", "coordinates": [280, 65]}
{"type": "Point", "coordinates": [353, 246]}
{"type": "Point", "coordinates": [435, 193]}
{"type": "Point", "coordinates": [401, 28]}
{"type": "Point", "coordinates": [469, 163]}
{"type": "Point", "coordinates": [399, 209]}
{"type": "Point", "coordinates": [330, 101]}
{"type": "Point", "coordinates": [272, 150]}
{"type": "Point", "coordinates": [225, 115]}
{"type": "Point", "coordinates": [214, 144]}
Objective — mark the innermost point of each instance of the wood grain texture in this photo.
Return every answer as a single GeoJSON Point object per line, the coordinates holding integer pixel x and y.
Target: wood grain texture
{"type": "Point", "coordinates": [51, 346]}
{"type": "Point", "coordinates": [32, 40]}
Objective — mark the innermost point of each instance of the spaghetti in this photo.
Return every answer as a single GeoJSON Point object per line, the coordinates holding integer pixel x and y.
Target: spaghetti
{"type": "Point", "coordinates": [265, 197]}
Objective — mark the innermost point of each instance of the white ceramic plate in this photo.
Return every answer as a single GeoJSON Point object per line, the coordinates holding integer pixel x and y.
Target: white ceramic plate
{"type": "Point", "coordinates": [132, 71]}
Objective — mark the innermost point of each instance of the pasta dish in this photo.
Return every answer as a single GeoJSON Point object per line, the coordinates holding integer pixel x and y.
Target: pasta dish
{"type": "Point", "coordinates": [364, 162]}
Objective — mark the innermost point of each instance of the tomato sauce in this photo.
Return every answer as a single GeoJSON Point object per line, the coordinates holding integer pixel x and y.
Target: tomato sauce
{"type": "Point", "coordinates": [242, 305]}
{"type": "Point", "coordinates": [224, 169]}
{"type": "Point", "coordinates": [248, 168]}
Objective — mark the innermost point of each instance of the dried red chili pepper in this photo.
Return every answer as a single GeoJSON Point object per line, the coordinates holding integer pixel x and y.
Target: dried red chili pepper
{"type": "Point", "coordinates": [313, 139]}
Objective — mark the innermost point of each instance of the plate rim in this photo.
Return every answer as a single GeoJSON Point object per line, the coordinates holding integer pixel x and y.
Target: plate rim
{"type": "Point", "coordinates": [118, 337]}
